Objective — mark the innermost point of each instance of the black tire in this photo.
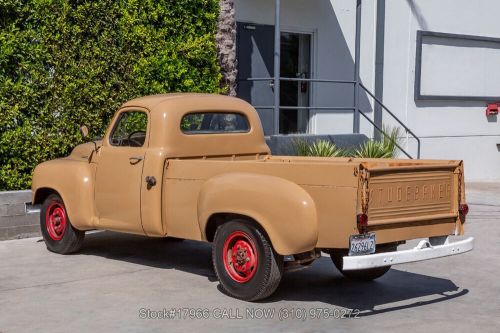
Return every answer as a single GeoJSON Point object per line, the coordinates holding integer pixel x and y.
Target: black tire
{"type": "Point", "coordinates": [264, 277]}
{"type": "Point", "coordinates": [360, 274]}
{"type": "Point", "coordinates": [69, 239]}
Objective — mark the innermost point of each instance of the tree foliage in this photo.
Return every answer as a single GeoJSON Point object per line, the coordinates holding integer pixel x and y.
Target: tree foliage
{"type": "Point", "coordinates": [64, 63]}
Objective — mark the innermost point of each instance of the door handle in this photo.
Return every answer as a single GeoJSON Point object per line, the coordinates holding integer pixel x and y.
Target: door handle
{"type": "Point", "coordinates": [150, 181]}
{"type": "Point", "coordinates": [135, 159]}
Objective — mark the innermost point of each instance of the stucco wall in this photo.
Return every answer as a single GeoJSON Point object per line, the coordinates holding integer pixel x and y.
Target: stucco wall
{"type": "Point", "coordinates": [448, 129]}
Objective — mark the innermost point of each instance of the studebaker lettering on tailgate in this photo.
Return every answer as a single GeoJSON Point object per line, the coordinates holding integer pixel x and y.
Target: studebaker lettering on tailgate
{"type": "Point", "coordinates": [196, 166]}
{"type": "Point", "coordinates": [395, 193]}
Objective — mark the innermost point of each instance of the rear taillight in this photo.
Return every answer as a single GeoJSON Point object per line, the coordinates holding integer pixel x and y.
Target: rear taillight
{"type": "Point", "coordinates": [464, 209]}
{"type": "Point", "coordinates": [362, 221]}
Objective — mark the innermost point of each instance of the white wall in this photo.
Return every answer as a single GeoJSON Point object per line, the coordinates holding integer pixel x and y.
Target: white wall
{"type": "Point", "coordinates": [333, 26]}
{"type": "Point", "coordinates": [448, 129]}
{"type": "Point", "coordinates": [458, 67]}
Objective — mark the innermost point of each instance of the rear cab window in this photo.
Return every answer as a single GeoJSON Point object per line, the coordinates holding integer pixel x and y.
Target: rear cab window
{"type": "Point", "coordinates": [214, 123]}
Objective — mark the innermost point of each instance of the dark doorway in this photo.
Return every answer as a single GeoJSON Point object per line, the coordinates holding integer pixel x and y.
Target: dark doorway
{"type": "Point", "coordinates": [255, 53]}
{"type": "Point", "coordinates": [295, 63]}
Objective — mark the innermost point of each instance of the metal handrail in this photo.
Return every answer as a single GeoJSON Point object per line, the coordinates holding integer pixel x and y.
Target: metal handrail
{"type": "Point", "coordinates": [385, 134]}
{"type": "Point", "coordinates": [284, 107]}
{"type": "Point", "coordinates": [407, 129]}
{"type": "Point", "coordinates": [394, 117]}
{"type": "Point", "coordinates": [297, 79]}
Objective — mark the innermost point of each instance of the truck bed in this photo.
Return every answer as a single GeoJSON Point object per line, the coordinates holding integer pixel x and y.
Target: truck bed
{"type": "Point", "coordinates": [403, 199]}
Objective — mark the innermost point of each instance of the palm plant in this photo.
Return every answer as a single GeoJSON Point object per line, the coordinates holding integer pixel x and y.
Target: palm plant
{"type": "Point", "coordinates": [373, 149]}
{"type": "Point", "coordinates": [320, 148]}
{"type": "Point", "coordinates": [386, 147]}
{"type": "Point", "coordinates": [325, 148]}
{"type": "Point", "coordinates": [301, 147]}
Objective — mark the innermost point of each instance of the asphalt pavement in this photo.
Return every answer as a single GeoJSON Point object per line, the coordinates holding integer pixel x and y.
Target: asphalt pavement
{"type": "Point", "coordinates": [130, 283]}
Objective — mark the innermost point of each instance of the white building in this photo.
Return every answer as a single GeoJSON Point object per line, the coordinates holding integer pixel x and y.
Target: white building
{"type": "Point", "coordinates": [442, 98]}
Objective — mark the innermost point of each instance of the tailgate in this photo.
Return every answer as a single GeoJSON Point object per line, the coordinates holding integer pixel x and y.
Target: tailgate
{"type": "Point", "coordinates": [405, 194]}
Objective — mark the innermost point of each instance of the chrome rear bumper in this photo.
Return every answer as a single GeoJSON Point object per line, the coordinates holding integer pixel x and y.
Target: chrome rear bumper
{"type": "Point", "coordinates": [423, 251]}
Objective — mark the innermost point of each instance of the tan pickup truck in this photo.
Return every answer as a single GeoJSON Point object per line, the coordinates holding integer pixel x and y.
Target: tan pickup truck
{"type": "Point", "coordinates": [194, 166]}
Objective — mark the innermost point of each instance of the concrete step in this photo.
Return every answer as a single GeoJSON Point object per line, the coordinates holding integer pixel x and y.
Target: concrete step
{"type": "Point", "coordinates": [15, 197]}
{"type": "Point", "coordinates": [14, 222]}
{"type": "Point", "coordinates": [12, 209]}
{"type": "Point", "coordinates": [22, 231]}
{"type": "Point", "coordinates": [19, 220]}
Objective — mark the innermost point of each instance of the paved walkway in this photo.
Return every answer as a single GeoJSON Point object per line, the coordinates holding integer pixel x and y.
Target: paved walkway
{"type": "Point", "coordinates": [104, 288]}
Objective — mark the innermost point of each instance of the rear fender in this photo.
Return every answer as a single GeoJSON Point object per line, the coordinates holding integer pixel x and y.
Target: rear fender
{"type": "Point", "coordinates": [284, 210]}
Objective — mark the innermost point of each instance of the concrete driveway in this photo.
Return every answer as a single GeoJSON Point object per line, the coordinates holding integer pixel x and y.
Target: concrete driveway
{"type": "Point", "coordinates": [124, 283]}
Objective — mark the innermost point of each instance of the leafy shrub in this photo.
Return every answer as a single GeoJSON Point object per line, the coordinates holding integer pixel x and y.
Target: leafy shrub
{"type": "Point", "coordinates": [322, 148]}
{"type": "Point", "coordinates": [384, 148]}
{"type": "Point", "coordinates": [64, 63]}
{"type": "Point", "coordinates": [301, 147]}
{"type": "Point", "coordinates": [372, 149]}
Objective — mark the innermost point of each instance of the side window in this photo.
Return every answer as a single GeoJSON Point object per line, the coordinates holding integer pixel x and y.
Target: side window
{"type": "Point", "coordinates": [130, 129]}
{"type": "Point", "coordinates": [214, 123]}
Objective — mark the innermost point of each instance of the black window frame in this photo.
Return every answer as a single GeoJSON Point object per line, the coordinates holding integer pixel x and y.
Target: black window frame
{"type": "Point", "coordinates": [418, 96]}
{"type": "Point", "coordinates": [211, 132]}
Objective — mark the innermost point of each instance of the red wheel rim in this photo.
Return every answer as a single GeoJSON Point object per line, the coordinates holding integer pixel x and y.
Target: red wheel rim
{"type": "Point", "coordinates": [56, 220]}
{"type": "Point", "coordinates": [240, 257]}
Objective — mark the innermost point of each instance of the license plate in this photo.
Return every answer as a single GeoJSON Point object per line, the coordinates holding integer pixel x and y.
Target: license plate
{"type": "Point", "coordinates": [362, 244]}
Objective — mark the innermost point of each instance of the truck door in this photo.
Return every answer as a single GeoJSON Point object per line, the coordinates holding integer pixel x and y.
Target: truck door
{"type": "Point", "coordinates": [119, 172]}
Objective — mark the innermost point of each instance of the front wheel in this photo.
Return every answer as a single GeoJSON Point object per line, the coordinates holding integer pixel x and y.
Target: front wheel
{"type": "Point", "coordinates": [58, 233]}
{"type": "Point", "coordinates": [360, 274]}
{"type": "Point", "coordinates": [244, 261]}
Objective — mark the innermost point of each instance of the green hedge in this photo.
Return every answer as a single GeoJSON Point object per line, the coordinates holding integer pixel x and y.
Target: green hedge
{"type": "Point", "coordinates": [64, 63]}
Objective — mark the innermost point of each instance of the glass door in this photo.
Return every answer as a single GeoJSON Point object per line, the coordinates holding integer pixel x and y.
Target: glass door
{"type": "Point", "coordinates": [295, 63]}
{"type": "Point", "coordinates": [255, 53]}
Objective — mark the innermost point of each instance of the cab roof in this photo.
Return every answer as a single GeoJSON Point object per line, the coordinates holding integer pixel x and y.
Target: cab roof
{"type": "Point", "coordinates": [166, 114]}
{"type": "Point", "coordinates": [153, 102]}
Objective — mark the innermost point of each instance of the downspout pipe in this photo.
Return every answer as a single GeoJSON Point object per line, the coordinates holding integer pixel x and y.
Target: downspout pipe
{"type": "Point", "coordinates": [277, 64]}
{"type": "Point", "coordinates": [357, 56]}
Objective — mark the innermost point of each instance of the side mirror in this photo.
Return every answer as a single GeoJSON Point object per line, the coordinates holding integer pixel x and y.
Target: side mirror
{"type": "Point", "coordinates": [84, 131]}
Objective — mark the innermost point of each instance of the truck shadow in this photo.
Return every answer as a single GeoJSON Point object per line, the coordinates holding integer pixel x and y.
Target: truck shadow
{"type": "Point", "coordinates": [396, 290]}
{"type": "Point", "coordinates": [321, 282]}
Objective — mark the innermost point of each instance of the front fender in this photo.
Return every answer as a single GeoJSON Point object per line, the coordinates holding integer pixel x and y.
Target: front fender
{"type": "Point", "coordinates": [285, 210]}
{"type": "Point", "coordinates": [74, 181]}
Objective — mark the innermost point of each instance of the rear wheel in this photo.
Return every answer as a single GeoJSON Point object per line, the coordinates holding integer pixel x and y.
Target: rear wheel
{"type": "Point", "coordinates": [58, 233]}
{"type": "Point", "coordinates": [244, 261]}
{"type": "Point", "coordinates": [360, 274]}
